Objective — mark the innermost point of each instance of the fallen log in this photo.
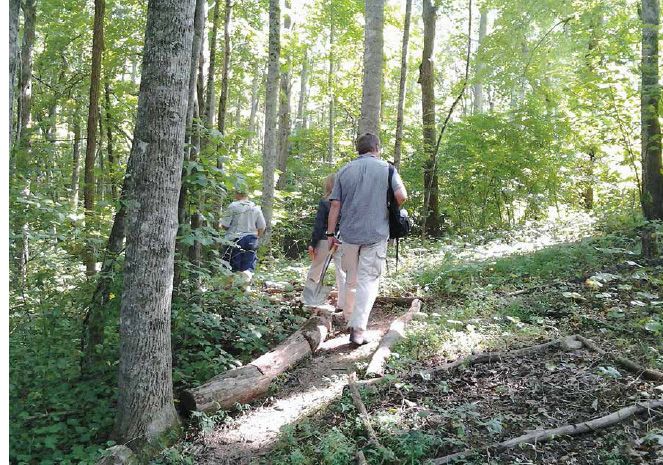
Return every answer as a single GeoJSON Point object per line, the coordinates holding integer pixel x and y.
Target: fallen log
{"type": "Point", "coordinates": [647, 373]}
{"type": "Point", "coordinates": [566, 430]}
{"type": "Point", "coordinates": [244, 384]}
{"type": "Point", "coordinates": [396, 333]}
{"type": "Point", "coordinates": [567, 343]}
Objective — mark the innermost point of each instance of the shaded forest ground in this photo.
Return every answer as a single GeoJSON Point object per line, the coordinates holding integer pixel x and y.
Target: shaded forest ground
{"type": "Point", "coordinates": [537, 284]}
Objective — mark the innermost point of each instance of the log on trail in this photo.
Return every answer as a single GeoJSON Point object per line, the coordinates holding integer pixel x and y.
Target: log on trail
{"type": "Point", "coordinates": [647, 373]}
{"type": "Point", "coordinates": [244, 384]}
{"type": "Point", "coordinates": [396, 333]}
{"type": "Point", "coordinates": [566, 430]}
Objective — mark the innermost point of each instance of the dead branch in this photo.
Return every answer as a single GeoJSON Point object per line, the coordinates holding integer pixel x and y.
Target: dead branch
{"type": "Point", "coordinates": [363, 413]}
{"type": "Point", "coordinates": [489, 357]}
{"type": "Point", "coordinates": [361, 458]}
{"type": "Point", "coordinates": [566, 430]}
{"type": "Point", "coordinates": [647, 373]}
{"type": "Point", "coordinates": [396, 333]}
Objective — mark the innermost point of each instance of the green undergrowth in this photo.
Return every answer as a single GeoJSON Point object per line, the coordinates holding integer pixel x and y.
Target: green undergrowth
{"type": "Point", "coordinates": [495, 304]}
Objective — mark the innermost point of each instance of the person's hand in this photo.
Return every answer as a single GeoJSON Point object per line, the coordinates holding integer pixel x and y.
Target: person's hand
{"type": "Point", "coordinates": [331, 240]}
{"type": "Point", "coordinates": [311, 252]}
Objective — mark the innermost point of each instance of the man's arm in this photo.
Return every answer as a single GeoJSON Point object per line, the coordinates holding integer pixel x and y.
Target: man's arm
{"type": "Point", "coordinates": [261, 231]}
{"type": "Point", "coordinates": [401, 196]}
{"type": "Point", "coordinates": [332, 219]}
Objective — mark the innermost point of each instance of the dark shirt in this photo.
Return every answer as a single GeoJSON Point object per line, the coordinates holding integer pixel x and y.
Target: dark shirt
{"type": "Point", "coordinates": [320, 225]}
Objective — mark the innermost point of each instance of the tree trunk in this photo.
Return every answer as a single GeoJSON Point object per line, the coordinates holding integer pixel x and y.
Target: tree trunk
{"type": "Point", "coordinates": [478, 104]}
{"type": "Point", "coordinates": [330, 87]}
{"type": "Point", "coordinates": [112, 164]}
{"type": "Point", "coordinates": [14, 11]}
{"type": "Point", "coordinates": [91, 146]}
{"type": "Point", "coordinates": [271, 101]}
{"type": "Point", "coordinates": [223, 100]}
{"type": "Point", "coordinates": [255, 101]}
{"type": "Point", "coordinates": [401, 86]}
{"type": "Point", "coordinates": [301, 106]}
{"type": "Point", "coordinates": [284, 112]}
{"type": "Point", "coordinates": [652, 174]}
{"type": "Point", "coordinates": [372, 83]}
{"type": "Point", "coordinates": [145, 405]}
{"type": "Point", "coordinates": [427, 81]}
{"type": "Point", "coordinates": [198, 29]}
{"type": "Point", "coordinates": [209, 112]}
{"type": "Point", "coordinates": [27, 46]}
{"type": "Point", "coordinates": [76, 164]}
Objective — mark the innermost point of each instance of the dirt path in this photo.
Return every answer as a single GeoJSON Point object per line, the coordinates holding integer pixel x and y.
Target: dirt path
{"type": "Point", "coordinates": [309, 387]}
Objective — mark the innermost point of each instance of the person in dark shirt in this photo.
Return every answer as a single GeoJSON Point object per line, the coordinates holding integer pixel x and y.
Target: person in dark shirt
{"type": "Point", "coordinates": [318, 249]}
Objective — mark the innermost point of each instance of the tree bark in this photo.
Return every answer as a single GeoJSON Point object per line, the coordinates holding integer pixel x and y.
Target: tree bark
{"type": "Point", "coordinates": [652, 174]}
{"type": "Point", "coordinates": [112, 163]}
{"type": "Point", "coordinates": [27, 46]}
{"type": "Point", "coordinates": [145, 405]}
{"type": "Point", "coordinates": [223, 100]}
{"type": "Point", "coordinates": [271, 101]}
{"type": "Point", "coordinates": [427, 81]}
{"type": "Point", "coordinates": [92, 121]}
{"type": "Point", "coordinates": [372, 82]}
{"type": "Point", "coordinates": [255, 101]}
{"type": "Point", "coordinates": [14, 12]}
{"type": "Point", "coordinates": [401, 86]}
{"type": "Point", "coordinates": [478, 101]}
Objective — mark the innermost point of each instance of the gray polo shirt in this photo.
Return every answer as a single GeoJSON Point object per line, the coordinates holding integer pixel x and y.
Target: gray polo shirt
{"type": "Point", "coordinates": [242, 217]}
{"type": "Point", "coordinates": [361, 186]}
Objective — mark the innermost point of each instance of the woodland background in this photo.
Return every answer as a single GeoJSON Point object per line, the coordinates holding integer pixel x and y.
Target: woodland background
{"type": "Point", "coordinates": [537, 106]}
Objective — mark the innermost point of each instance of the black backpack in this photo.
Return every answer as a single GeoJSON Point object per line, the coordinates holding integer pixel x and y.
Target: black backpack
{"type": "Point", "coordinates": [399, 223]}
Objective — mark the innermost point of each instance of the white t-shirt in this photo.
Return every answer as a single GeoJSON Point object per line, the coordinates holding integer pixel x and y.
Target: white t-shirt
{"type": "Point", "coordinates": [241, 218]}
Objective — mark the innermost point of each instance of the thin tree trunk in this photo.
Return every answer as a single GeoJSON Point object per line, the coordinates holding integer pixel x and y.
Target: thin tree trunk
{"type": "Point", "coordinates": [76, 164]}
{"type": "Point", "coordinates": [209, 112]}
{"type": "Point", "coordinates": [91, 146]}
{"type": "Point", "coordinates": [372, 82]}
{"type": "Point", "coordinates": [271, 102]}
{"type": "Point", "coordinates": [112, 164]}
{"type": "Point", "coordinates": [198, 30]}
{"type": "Point", "coordinates": [255, 101]}
{"type": "Point", "coordinates": [330, 87]}
{"type": "Point", "coordinates": [401, 86]}
{"type": "Point", "coordinates": [427, 81]}
{"type": "Point", "coordinates": [284, 111]}
{"type": "Point", "coordinates": [652, 174]}
{"type": "Point", "coordinates": [14, 12]}
{"type": "Point", "coordinates": [27, 46]}
{"type": "Point", "coordinates": [478, 101]}
{"type": "Point", "coordinates": [223, 100]}
{"type": "Point", "coordinates": [301, 106]}
{"type": "Point", "coordinates": [145, 407]}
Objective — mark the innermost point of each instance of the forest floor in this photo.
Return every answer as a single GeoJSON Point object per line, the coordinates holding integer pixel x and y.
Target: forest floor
{"type": "Point", "coordinates": [540, 284]}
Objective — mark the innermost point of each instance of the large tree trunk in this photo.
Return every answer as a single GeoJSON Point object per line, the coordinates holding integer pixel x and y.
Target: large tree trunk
{"type": "Point", "coordinates": [76, 164]}
{"type": "Point", "coordinates": [271, 101]}
{"type": "Point", "coordinates": [145, 405]}
{"type": "Point", "coordinates": [223, 100]}
{"type": "Point", "coordinates": [372, 83]}
{"type": "Point", "coordinates": [92, 121]}
{"type": "Point", "coordinates": [209, 112]}
{"type": "Point", "coordinates": [14, 11]}
{"type": "Point", "coordinates": [652, 176]}
{"type": "Point", "coordinates": [401, 86]}
{"type": "Point", "coordinates": [478, 102]}
{"type": "Point", "coordinates": [427, 81]}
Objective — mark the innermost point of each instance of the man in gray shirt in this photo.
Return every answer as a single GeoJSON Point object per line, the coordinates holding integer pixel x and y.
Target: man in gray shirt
{"type": "Point", "coordinates": [360, 196]}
